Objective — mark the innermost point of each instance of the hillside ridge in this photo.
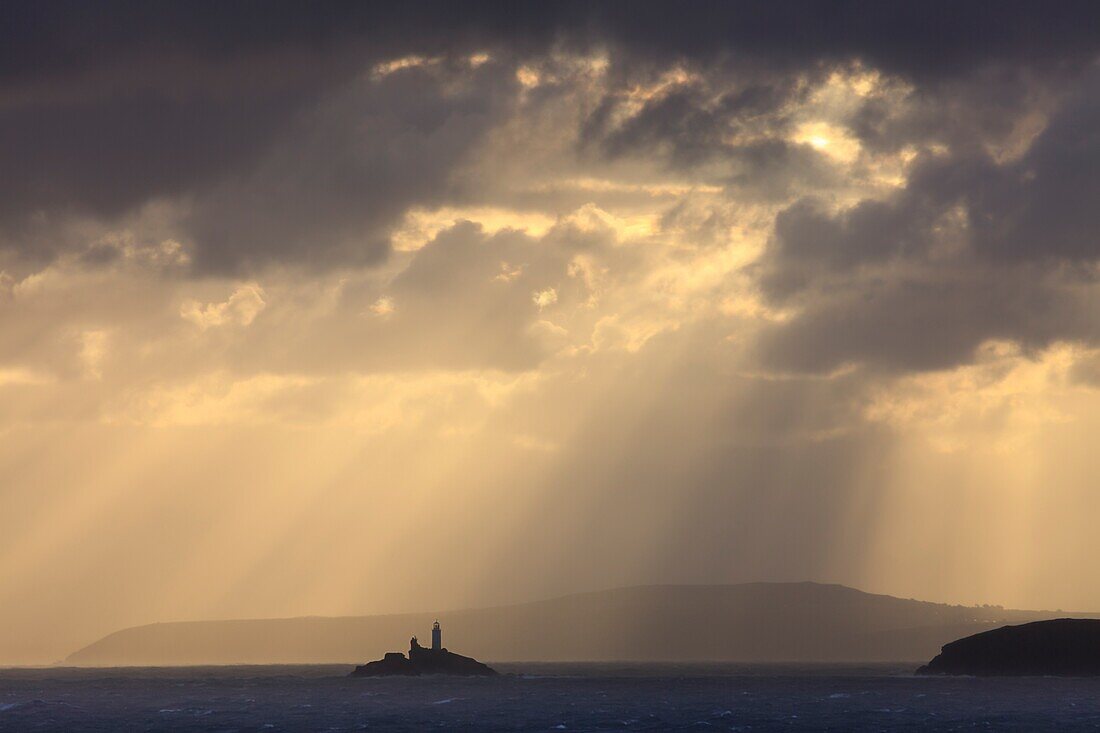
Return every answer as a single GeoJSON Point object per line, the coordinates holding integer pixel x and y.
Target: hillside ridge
{"type": "Point", "coordinates": [759, 621]}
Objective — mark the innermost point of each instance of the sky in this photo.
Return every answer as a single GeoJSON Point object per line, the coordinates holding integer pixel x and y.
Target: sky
{"type": "Point", "coordinates": [332, 309]}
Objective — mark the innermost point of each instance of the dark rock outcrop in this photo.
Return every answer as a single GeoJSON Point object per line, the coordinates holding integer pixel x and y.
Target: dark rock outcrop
{"type": "Point", "coordinates": [1064, 647]}
{"type": "Point", "coordinates": [423, 661]}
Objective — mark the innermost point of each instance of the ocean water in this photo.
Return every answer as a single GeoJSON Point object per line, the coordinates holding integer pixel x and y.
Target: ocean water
{"type": "Point", "coordinates": [542, 697]}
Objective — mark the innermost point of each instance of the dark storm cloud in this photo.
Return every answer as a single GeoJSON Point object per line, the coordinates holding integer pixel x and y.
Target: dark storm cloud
{"type": "Point", "coordinates": [678, 121]}
{"type": "Point", "coordinates": [688, 128]}
{"type": "Point", "coordinates": [920, 40]}
{"type": "Point", "coordinates": [278, 150]}
{"type": "Point", "coordinates": [814, 248]}
{"type": "Point", "coordinates": [1045, 205]}
{"type": "Point", "coordinates": [970, 250]}
{"type": "Point", "coordinates": [264, 178]}
{"type": "Point", "coordinates": [345, 171]}
{"type": "Point", "coordinates": [1037, 207]}
{"type": "Point", "coordinates": [235, 114]}
{"type": "Point", "coordinates": [688, 120]}
{"type": "Point", "coordinates": [917, 324]}
{"type": "Point", "coordinates": [106, 107]}
{"type": "Point", "coordinates": [965, 111]}
{"type": "Point", "coordinates": [42, 40]}
{"type": "Point", "coordinates": [104, 155]}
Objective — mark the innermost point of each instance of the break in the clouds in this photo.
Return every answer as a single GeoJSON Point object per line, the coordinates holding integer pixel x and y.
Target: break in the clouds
{"type": "Point", "coordinates": [717, 292]}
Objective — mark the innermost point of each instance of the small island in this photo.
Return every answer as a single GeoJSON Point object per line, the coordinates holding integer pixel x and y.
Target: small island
{"type": "Point", "coordinates": [1065, 647]}
{"type": "Point", "coordinates": [421, 661]}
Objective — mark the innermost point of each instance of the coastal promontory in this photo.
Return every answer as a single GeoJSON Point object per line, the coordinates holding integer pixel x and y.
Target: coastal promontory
{"type": "Point", "coordinates": [1068, 647]}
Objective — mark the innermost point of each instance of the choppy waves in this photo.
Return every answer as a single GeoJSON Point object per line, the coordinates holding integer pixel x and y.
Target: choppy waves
{"type": "Point", "coordinates": [540, 698]}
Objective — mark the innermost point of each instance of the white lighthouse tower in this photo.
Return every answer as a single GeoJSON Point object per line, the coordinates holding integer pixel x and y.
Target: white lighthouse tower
{"type": "Point", "coordinates": [437, 637]}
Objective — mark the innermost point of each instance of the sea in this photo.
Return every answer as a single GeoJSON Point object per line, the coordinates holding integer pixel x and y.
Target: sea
{"type": "Point", "coordinates": [543, 697]}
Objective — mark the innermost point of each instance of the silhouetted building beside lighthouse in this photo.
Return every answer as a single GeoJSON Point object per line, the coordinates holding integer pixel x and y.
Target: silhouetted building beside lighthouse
{"type": "Point", "coordinates": [436, 660]}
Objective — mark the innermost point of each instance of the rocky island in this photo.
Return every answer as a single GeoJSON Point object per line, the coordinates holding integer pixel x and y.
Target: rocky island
{"type": "Point", "coordinates": [421, 661]}
{"type": "Point", "coordinates": [1067, 647]}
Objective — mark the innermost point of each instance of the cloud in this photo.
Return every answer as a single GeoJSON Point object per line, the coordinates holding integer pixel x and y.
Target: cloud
{"type": "Point", "coordinates": [969, 250]}
{"type": "Point", "coordinates": [383, 306]}
{"type": "Point", "coordinates": [19, 376]}
{"type": "Point", "coordinates": [93, 350]}
{"type": "Point", "coordinates": [545, 298]}
{"type": "Point", "coordinates": [242, 307]}
{"type": "Point", "coordinates": [277, 143]}
{"type": "Point", "coordinates": [277, 150]}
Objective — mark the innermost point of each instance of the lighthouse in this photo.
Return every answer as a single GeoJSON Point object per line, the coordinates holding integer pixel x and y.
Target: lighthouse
{"type": "Point", "coordinates": [437, 637]}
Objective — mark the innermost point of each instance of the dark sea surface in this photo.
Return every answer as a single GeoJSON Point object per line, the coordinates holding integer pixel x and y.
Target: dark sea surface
{"type": "Point", "coordinates": [542, 697]}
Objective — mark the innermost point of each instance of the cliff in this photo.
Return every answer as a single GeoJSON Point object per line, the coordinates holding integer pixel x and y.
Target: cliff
{"type": "Point", "coordinates": [1062, 647]}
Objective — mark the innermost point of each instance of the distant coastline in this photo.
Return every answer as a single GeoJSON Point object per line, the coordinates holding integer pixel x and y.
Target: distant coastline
{"type": "Point", "coordinates": [752, 622]}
